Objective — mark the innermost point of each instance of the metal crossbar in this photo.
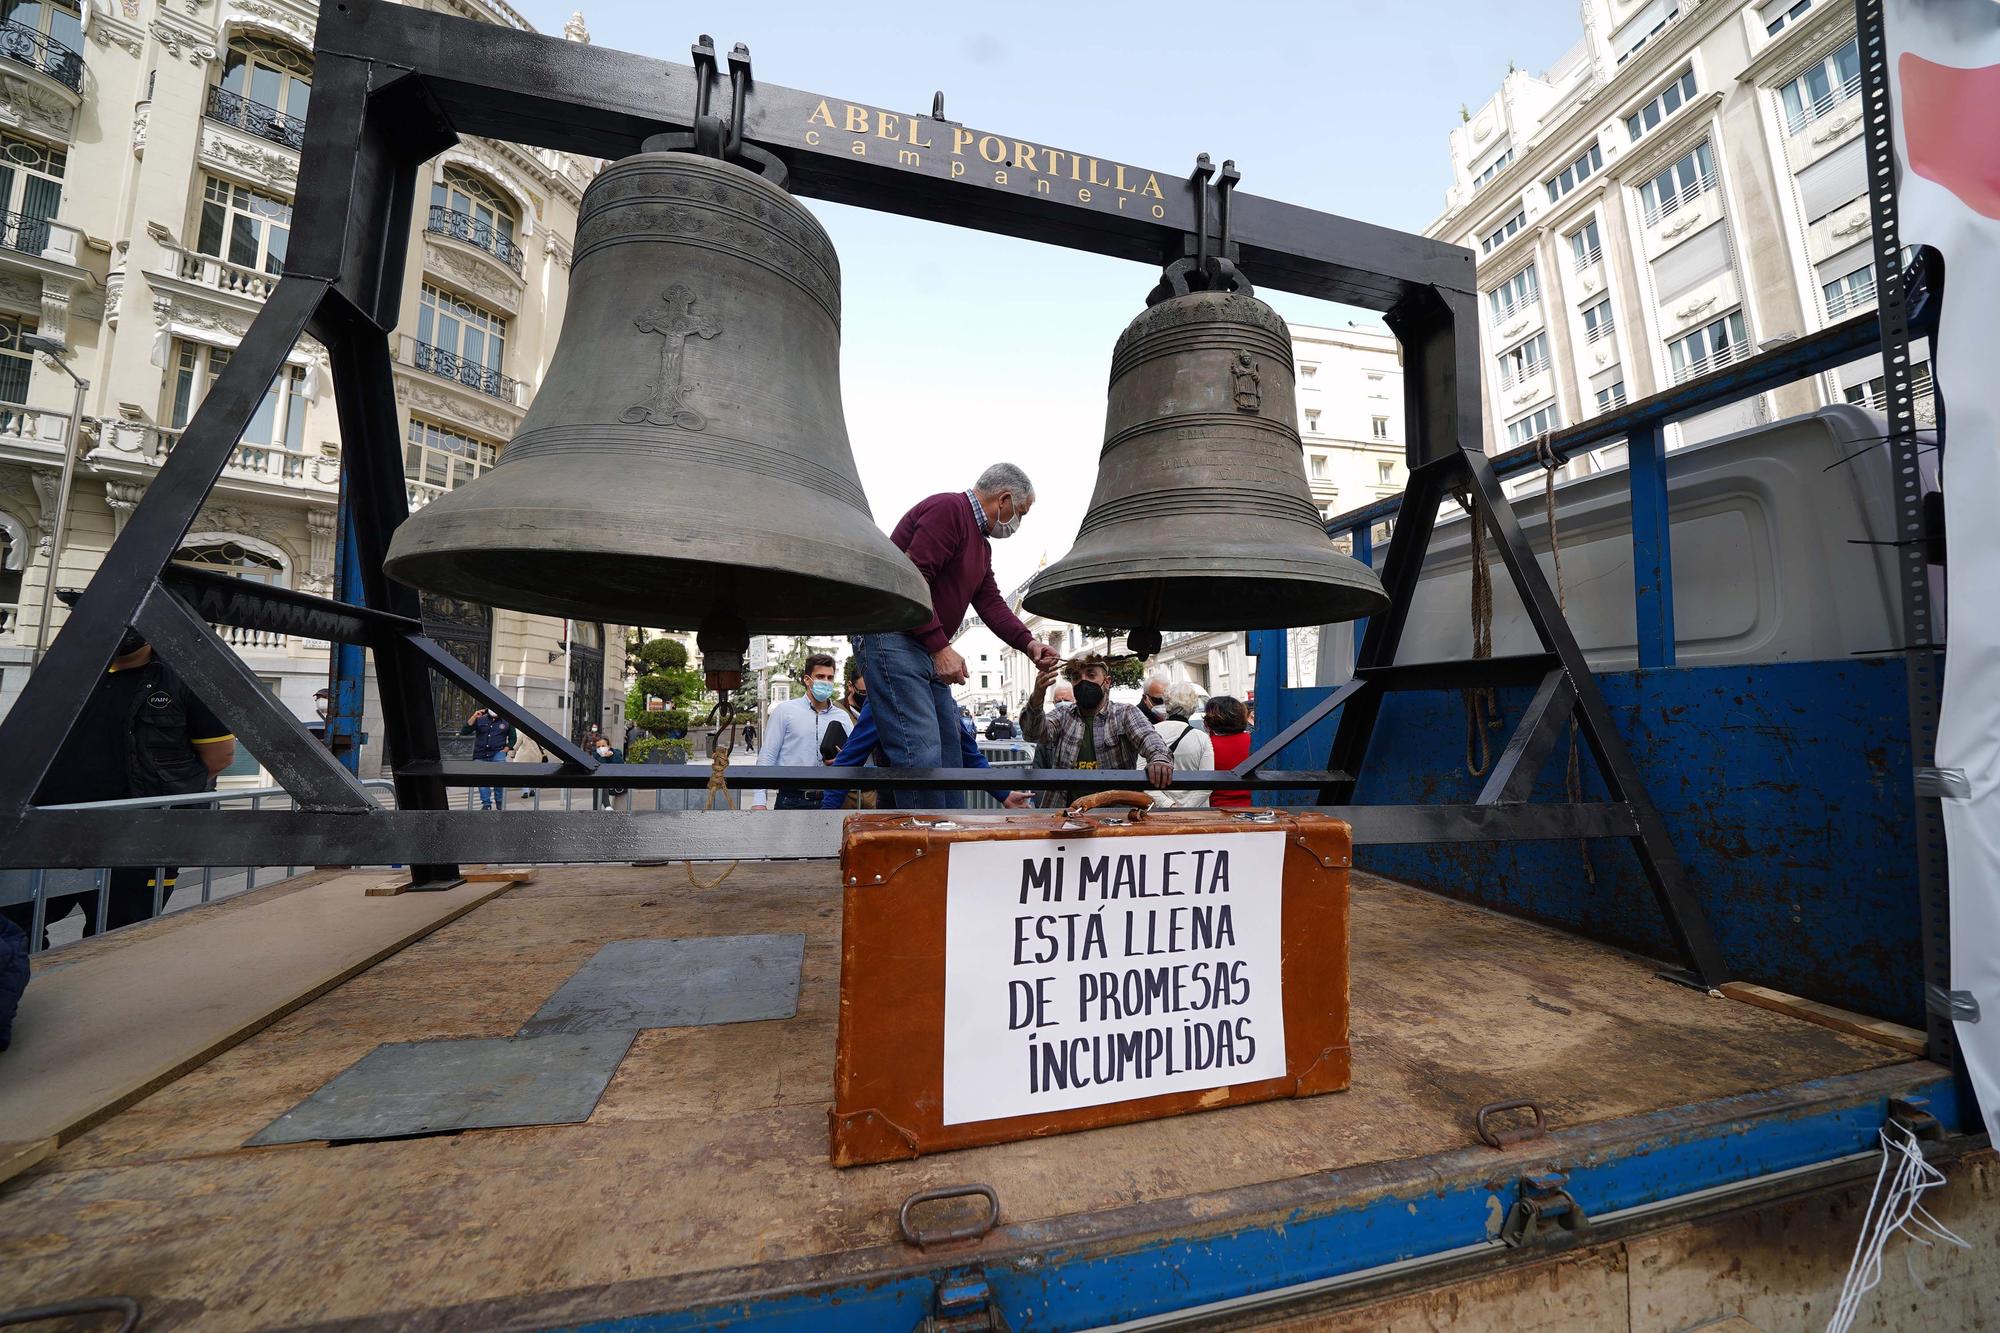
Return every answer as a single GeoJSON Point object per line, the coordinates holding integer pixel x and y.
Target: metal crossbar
{"type": "Point", "coordinates": [395, 86]}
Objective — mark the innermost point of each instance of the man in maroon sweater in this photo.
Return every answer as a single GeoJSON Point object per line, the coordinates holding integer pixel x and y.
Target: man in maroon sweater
{"type": "Point", "coordinates": [910, 675]}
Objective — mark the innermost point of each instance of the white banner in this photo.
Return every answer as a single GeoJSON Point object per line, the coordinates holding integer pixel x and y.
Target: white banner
{"type": "Point", "coordinates": [1944, 60]}
{"type": "Point", "coordinates": [1082, 971]}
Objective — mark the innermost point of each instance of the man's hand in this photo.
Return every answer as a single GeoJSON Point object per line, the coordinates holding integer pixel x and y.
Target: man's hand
{"type": "Point", "coordinates": [948, 666]}
{"type": "Point", "coordinates": [1160, 772]}
{"type": "Point", "coordinates": [1043, 679]}
{"type": "Point", "coordinates": [1044, 656]}
{"type": "Point", "coordinates": [1019, 800]}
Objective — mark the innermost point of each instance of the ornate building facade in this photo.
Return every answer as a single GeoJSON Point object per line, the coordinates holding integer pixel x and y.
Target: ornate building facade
{"type": "Point", "coordinates": [1683, 187]}
{"type": "Point", "coordinates": [149, 157]}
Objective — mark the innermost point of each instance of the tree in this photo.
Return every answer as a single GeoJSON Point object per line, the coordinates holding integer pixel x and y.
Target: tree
{"type": "Point", "coordinates": [663, 677]}
{"type": "Point", "coordinates": [1127, 670]}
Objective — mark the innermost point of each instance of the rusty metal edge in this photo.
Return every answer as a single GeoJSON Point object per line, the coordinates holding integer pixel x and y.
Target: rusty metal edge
{"type": "Point", "coordinates": [1188, 1218]}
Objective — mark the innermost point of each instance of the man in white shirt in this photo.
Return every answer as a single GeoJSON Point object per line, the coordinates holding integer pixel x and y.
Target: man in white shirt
{"type": "Point", "coordinates": [794, 734]}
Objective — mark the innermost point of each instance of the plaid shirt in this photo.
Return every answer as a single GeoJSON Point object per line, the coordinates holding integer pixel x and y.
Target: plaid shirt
{"type": "Point", "coordinates": [1121, 734]}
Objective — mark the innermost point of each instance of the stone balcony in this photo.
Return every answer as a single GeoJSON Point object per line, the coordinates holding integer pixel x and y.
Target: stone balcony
{"type": "Point", "coordinates": [137, 449]}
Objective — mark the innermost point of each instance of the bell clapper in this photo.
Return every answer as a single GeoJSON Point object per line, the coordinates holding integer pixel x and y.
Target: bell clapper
{"type": "Point", "coordinates": [723, 642]}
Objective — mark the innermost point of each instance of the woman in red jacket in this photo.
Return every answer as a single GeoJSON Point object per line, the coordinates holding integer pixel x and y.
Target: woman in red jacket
{"type": "Point", "coordinates": [1228, 723]}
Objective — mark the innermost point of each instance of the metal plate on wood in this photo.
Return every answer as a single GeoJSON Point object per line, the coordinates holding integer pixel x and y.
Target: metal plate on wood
{"type": "Point", "coordinates": [405, 1088]}
{"type": "Point", "coordinates": [630, 984]}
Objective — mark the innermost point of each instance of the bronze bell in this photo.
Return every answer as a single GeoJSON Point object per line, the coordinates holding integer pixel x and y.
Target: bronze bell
{"type": "Point", "coordinates": [1202, 519]}
{"type": "Point", "coordinates": [685, 463]}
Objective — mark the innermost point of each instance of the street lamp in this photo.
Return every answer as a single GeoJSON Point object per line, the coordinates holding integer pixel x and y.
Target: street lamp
{"type": "Point", "coordinates": [57, 351]}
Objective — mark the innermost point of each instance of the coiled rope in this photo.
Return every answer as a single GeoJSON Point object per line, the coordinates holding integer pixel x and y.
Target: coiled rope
{"type": "Point", "coordinates": [718, 771]}
{"type": "Point", "coordinates": [1482, 703]}
{"type": "Point", "coordinates": [1573, 773]}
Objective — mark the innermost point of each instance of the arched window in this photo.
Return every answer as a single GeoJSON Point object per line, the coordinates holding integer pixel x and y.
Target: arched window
{"type": "Point", "coordinates": [266, 88]}
{"type": "Point", "coordinates": [232, 557]}
{"type": "Point", "coordinates": [471, 208]}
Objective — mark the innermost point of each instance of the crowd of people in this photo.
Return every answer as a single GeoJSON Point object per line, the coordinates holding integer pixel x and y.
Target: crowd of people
{"type": "Point", "coordinates": [897, 708]}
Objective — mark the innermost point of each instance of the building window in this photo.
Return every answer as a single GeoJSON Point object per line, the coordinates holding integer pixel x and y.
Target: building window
{"type": "Point", "coordinates": [1659, 14]}
{"type": "Point", "coordinates": [1665, 102]}
{"type": "Point", "coordinates": [1493, 169]}
{"type": "Point", "coordinates": [1379, 427]}
{"type": "Point", "coordinates": [1777, 13]}
{"type": "Point", "coordinates": [266, 89]}
{"type": "Point", "coordinates": [1847, 294]}
{"type": "Point", "coordinates": [247, 227]}
{"type": "Point", "coordinates": [1875, 393]}
{"type": "Point", "coordinates": [31, 176]}
{"type": "Point", "coordinates": [280, 420]}
{"type": "Point", "coordinates": [460, 340]}
{"type": "Point", "coordinates": [1584, 245]}
{"type": "Point", "coordinates": [984, 682]}
{"type": "Point", "coordinates": [1532, 426]}
{"type": "Point", "coordinates": [1385, 470]}
{"type": "Point", "coordinates": [1597, 321]}
{"type": "Point", "coordinates": [1312, 420]}
{"type": "Point", "coordinates": [45, 35]}
{"type": "Point", "coordinates": [1319, 465]}
{"type": "Point", "coordinates": [1530, 358]}
{"type": "Point", "coordinates": [442, 457]}
{"type": "Point", "coordinates": [16, 361]}
{"type": "Point", "coordinates": [1307, 370]}
{"type": "Point", "coordinates": [1575, 174]}
{"type": "Point", "coordinates": [1679, 185]}
{"type": "Point", "coordinates": [234, 559]}
{"type": "Point", "coordinates": [1514, 293]}
{"type": "Point", "coordinates": [1708, 348]}
{"type": "Point", "coordinates": [1488, 243]}
{"type": "Point", "coordinates": [471, 209]}
{"type": "Point", "coordinates": [1823, 87]}
{"type": "Point", "coordinates": [1612, 398]}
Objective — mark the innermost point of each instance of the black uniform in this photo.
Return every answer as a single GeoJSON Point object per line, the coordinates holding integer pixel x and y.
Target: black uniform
{"type": "Point", "coordinates": [135, 737]}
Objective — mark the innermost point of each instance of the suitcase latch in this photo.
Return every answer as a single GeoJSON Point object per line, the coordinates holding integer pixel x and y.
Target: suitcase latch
{"type": "Point", "coordinates": [1543, 1204]}
{"type": "Point", "coordinates": [963, 1303]}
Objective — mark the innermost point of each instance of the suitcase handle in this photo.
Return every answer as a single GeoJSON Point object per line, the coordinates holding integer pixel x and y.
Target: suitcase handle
{"type": "Point", "coordinates": [1137, 801]}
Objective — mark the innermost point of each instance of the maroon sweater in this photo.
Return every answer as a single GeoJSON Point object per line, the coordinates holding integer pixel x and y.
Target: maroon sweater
{"type": "Point", "coordinates": [943, 539]}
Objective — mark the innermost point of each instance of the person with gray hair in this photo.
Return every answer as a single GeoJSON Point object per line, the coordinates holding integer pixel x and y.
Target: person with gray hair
{"type": "Point", "coordinates": [910, 675]}
{"type": "Point", "coordinates": [1191, 749]}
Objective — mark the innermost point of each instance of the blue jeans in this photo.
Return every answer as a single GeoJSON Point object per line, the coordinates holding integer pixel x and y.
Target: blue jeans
{"type": "Point", "coordinates": [493, 798]}
{"type": "Point", "coordinates": [914, 713]}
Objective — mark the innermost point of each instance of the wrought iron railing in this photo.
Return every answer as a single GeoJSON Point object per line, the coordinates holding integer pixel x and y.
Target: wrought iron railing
{"type": "Point", "coordinates": [19, 42]}
{"type": "Point", "coordinates": [1849, 300]}
{"type": "Point", "coordinates": [446, 221]}
{"type": "Point", "coordinates": [1588, 257]}
{"type": "Point", "coordinates": [452, 366]}
{"type": "Point", "coordinates": [1669, 204]}
{"type": "Point", "coordinates": [1528, 368]}
{"type": "Point", "coordinates": [1726, 355]}
{"type": "Point", "coordinates": [1844, 91]}
{"type": "Point", "coordinates": [1598, 332]}
{"type": "Point", "coordinates": [266, 122]}
{"type": "Point", "coordinates": [24, 232]}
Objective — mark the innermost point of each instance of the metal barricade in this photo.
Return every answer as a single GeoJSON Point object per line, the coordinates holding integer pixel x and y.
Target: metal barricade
{"type": "Point", "coordinates": [38, 888]}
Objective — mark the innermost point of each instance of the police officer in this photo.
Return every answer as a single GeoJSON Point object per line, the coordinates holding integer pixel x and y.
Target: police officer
{"type": "Point", "coordinates": [142, 733]}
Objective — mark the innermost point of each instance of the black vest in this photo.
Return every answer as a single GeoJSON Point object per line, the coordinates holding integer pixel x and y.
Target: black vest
{"type": "Point", "coordinates": [159, 758]}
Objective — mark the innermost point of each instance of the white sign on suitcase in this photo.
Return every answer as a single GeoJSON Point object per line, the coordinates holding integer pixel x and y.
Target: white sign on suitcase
{"type": "Point", "coordinates": [1085, 971]}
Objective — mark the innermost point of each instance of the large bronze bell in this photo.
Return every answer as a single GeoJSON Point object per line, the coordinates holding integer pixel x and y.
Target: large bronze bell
{"type": "Point", "coordinates": [1202, 519]}
{"type": "Point", "coordinates": [685, 463]}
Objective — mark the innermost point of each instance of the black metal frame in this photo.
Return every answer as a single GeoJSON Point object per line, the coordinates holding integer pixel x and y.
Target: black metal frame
{"type": "Point", "coordinates": [396, 85]}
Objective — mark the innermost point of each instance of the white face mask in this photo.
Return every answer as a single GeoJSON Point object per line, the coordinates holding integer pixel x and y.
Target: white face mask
{"type": "Point", "coordinates": [1000, 531]}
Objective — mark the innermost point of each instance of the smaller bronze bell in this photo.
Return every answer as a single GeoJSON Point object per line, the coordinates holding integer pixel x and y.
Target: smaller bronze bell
{"type": "Point", "coordinates": [1202, 518]}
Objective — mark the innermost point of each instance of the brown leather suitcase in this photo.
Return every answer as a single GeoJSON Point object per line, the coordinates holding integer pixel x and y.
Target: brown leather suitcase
{"type": "Point", "coordinates": [1006, 976]}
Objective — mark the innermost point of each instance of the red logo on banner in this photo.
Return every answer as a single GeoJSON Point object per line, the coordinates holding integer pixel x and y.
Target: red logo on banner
{"type": "Point", "coordinates": [1949, 115]}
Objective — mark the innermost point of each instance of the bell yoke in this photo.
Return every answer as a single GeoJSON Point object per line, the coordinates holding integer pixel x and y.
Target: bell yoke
{"type": "Point", "coordinates": [700, 364]}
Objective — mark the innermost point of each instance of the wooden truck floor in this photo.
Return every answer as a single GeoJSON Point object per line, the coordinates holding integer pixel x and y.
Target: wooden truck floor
{"type": "Point", "coordinates": [708, 1150]}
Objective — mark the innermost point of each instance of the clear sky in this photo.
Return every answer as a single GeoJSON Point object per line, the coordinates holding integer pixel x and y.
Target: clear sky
{"type": "Point", "coordinates": [961, 348]}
